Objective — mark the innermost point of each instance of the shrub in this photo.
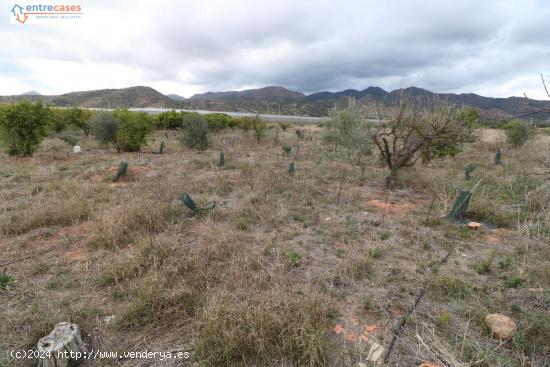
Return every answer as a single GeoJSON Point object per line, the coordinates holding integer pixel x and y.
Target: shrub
{"type": "Point", "coordinates": [413, 128]}
{"type": "Point", "coordinates": [218, 121]}
{"type": "Point", "coordinates": [244, 123]}
{"type": "Point", "coordinates": [517, 133]}
{"type": "Point", "coordinates": [64, 118]}
{"type": "Point", "coordinates": [133, 129]}
{"type": "Point", "coordinates": [170, 119]}
{"type": "Point", "coordinates": [23, 126]}
{"type": "Point", "coordinates": [195, 132]}
{"type": "Point", "coordinates": [264, 328]}
{"type": "Point", "coordinates": [258, 127]}
{"type": "Point", "coordinates": [348, 131]}
{"type": "Point", "coordinates": [104, 127]}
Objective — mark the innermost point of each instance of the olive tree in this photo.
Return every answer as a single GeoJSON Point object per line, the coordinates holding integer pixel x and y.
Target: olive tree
{"type": "Point", "coordinates": [349, 133]}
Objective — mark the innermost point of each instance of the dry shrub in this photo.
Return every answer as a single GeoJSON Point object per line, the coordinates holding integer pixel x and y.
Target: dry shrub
{"type": "Point", "coordinates": [154, 299]}
{"type": "Point", "coordinates": [120, 225]}
{"type": "Point", "coordinates": [58, 212]}
{"type": "Point", "coordinates": [263, 327]}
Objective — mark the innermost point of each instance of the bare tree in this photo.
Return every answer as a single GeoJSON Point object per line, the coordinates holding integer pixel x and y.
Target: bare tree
{"type": "Point", "coordinates": [413, 126]}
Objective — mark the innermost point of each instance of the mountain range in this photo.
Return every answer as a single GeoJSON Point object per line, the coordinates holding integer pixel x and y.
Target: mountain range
{"type": "Point", "coordinates": [277, 100]}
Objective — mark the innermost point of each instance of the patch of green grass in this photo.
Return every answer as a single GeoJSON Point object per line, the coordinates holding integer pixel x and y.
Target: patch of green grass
{"type": "Point", "coordinates": [505, 263]}
{"type": "Point", "coordinates": [484, 266]}
{"type": "Point", "coordinates": [375, 253]}
{"type": "Point", "coordinates": [5, 281]}
{"type": "Point", "coordinates": [384, 236]}
{"type": "Point", "coordinates": [292, 258]}
{"type": "Point", "coordinates": [514, 282]}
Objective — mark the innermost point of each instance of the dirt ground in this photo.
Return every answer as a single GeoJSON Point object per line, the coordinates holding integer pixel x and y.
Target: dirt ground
{"type": "Point", "coordinates": [284, 270]}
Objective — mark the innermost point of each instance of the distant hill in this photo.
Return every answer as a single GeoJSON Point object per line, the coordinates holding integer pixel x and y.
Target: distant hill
{"type": "Point", "coordinates": [267, 94]}
{"type": "Point", "coordinates": [31, 93]}
{"type": "Point", "coordinates": [279, 100]}
{"type": "Point", "coordinates": [175, 97]}
{"type": "Point", "coordinates": [104, 98]}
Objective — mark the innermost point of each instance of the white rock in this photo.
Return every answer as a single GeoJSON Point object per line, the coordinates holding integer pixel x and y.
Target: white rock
{"type": "Point", "coordinates": [376, 353]}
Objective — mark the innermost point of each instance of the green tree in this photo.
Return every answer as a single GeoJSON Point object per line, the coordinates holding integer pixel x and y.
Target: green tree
{"type": "Point", "coordinates": [23, 126]}
{"type": "Point", "coordinates": [517, 133]}
{"type": "Point", "coordinates": [170, 119]}
{"type": "Point", "coordinates": [348, 131]}
{"type": "Point", "coordinates": [133, 130]}
{"type": "Point", "coordinates": [218, 121]}
{"type": "Point", "coordinates": [446, 144]}
{"type": "Point", "coordinates": [75, 117]}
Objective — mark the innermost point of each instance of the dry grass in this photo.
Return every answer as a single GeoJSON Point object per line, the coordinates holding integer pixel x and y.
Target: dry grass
{"type": "Point", "coordinates": [262, 279]}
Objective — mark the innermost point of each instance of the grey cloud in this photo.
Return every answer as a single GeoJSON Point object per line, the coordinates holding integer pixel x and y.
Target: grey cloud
{"type": "Point", "coordinates": [308, 46]}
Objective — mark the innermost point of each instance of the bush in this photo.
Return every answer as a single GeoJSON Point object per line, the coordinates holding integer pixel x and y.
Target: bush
{"type": "Point", "coordinates": [244, 123]}
{"type": "Point", "coordinates": [517, 133]}
{"type": "Point", "coordinates": [64, 118]}
{"type": "Point", "coordinates": [23, 126]}
{"type": "Point", "coordinates": [195, 132]}
{"type": "Point", "coordinates": [219, 121]}
{"type": "Point", "coordinates": [104, 127]}
{"type": "Point", "coordinates": [413, 129]}
{"type": "Point", "coordinates": [133, 129]}
{"type": "Point", "coordinates": [258, 127]}
{"type": "Point", "coordinates": [170, 119]}
{"type": "Point", "coordinates": [348, 130]}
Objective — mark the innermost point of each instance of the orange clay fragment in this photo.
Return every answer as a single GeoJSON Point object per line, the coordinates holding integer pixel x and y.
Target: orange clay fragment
{"type": "Point", "coordinates": [351, 337]}
{"type": "Point", "coordinates": [338, 329]}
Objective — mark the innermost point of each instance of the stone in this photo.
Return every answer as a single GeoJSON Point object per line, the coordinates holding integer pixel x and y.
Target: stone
{"type": "Point", "coordinates": [430, 364]}
{"type": "Point", "coordinates": [62, 347]}
{"type": "Point", "coordinates": [376, 353]}
{"type": "Point", "coordinates": [501, 326]}
{"type": "Point", "coordinates": [474, 225]}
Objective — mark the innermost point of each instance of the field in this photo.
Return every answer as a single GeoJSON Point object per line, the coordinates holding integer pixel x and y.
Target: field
{"type": "Point", "coordinates": [286, 270]}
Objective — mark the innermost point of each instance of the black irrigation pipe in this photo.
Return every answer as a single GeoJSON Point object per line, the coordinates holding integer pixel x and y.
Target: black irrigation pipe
{"type": "Point", "coordinates": [27, 257]}
{"type": "Point", "coordinates": [419, 296]}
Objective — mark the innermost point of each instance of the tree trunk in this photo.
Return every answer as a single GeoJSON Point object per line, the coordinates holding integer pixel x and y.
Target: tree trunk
{"type": "Point", "coordinates": [62, 347]}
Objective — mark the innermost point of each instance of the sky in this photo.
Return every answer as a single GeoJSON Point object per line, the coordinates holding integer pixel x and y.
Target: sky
{"type": "Point", "coordinates": [493, 48]}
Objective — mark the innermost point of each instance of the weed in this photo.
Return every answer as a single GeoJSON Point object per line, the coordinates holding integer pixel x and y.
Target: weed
{"type": "Point", "coordinates": [484, 266]}
{"type": "Point", "coordinates": [444, 318]}
{"type": "Point", "coordinates": [514, 282]}
{"type": "Point", "coordinates": [292, 258]}
{"type": "Point", "coordinates": [449, 286]}
{"type": "Point", "coordinates": [5, 281]}
{"type": "Point", "coordinates": [375, 253]}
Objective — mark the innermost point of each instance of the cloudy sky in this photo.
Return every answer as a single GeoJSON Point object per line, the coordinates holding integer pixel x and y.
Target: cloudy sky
{"type": "Point", "coordinates": [495, 48]}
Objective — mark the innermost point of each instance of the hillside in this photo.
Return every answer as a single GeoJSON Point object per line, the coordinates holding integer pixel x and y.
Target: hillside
{"type": "Point", "coordinates": [279, 100]}
{"type": "Point", "coordinates": [268, 94]}
{"type": "Point", "coordinates": [104, 98]}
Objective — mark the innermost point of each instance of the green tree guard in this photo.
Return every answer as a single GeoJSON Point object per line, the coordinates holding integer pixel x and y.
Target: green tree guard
{"type": "Point", "coordinates": [186, 199]}
{"type": "Point", "coordinates": [468, 170]}
{"type": "Point", "coordinates": [291, 168]}
{"type": "Point", "coordinates": [498, 157]}
{"type": "Point", "coordinates": [460, 205]}
{"type": "Point", "coordinates": [221, 163]}
{"type": "Point", "coordinates": [122, 168]}
{"type": "Point", "coordinates": [162, 146]}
